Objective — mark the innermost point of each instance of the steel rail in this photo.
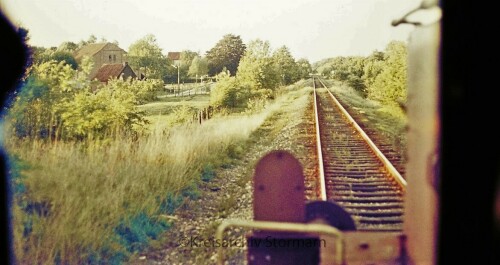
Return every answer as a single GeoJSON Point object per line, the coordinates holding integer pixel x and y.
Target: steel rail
{"type": "Point", "coordinates": [319, 149]}
{"type": "Point", "coordinates": [387, 164]}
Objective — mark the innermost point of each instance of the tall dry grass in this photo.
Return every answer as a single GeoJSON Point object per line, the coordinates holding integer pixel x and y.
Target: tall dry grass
{"type": "Point", "coordinates": [86, 202]}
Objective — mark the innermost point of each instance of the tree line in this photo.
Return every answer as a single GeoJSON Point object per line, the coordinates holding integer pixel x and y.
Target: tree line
{"type": "Point", "coordinates": [259, 72]}
{"type": "Point", "coordinates": [58, 101]}
{"type": "Point", "coordinates": [145, 55]}
{"type": "Point", "coordinates": [381, 76]}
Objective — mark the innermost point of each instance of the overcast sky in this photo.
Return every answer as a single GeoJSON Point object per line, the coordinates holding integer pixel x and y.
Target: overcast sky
{"type": "Point", "coordinates": [312, 29]}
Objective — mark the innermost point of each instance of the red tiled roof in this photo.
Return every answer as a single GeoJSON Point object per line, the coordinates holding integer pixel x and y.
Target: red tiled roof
{"type": "Point", "coordinates": [174, 56]}
{"type": "Point", "coordinates": [108, 71]}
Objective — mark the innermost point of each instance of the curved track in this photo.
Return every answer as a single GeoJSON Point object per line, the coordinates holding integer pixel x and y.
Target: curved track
{"type": "Point", "coordinates": [353, 171]}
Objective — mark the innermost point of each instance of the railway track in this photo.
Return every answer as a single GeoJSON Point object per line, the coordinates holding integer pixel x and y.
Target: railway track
{"type": "Point", "coordinates": [353, 172]}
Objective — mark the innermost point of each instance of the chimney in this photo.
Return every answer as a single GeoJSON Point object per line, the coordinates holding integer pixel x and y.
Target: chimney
{"type": "Point", "coordinates": [125, 64]}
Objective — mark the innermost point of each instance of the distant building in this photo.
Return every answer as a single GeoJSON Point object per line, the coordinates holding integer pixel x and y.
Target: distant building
{"type": "Point", "coordinates": [101, 53]}
{"type": "Point", "coordinates": [175, 57]}
{"type": "Point", "coordinates": [117, 70]}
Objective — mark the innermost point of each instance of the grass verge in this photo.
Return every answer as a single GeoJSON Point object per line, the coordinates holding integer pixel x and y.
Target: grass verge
{"type": "Point", "coordinates": [99, 202]}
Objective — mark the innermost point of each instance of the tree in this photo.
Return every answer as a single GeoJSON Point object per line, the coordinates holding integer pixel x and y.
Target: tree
{"type": "Point", "coordinates": [286, 66]}
{"type": "Point", "coordinates": [37, 107]}
{"type": "Point", "coordinates": [42, 55]}
{"type": "Point", "coordinates": [199, 67]}
{"type": "Point", "coordinates": [110, 111]}
{"type": "Point", "coordinates": [186, 59]}
{"type": "Point", "coordinates": [66, 57]}
{"type": "Point", "coordinates": [225, 92]}
{"type": "Point", "coordinates": [374, 64]}
{"type": "Point", "coordinates": [349, 69]}
{"type": "Point", "coordinates": [389, 86]}
{"type": "Point", "coordinates": [304, 68]}
{"type": "Point", "coordinates": [146, 55]}
{"type": "Point", "coordinates": [92, 39]}
{"type": "Point", "coordinates": [55, 102]}
{"type": "Point", "coordinates": [67, 46]}
{"type": "Point", "coordinates": [256, 68]}
{"type": "Point", "coordinates": [226, 53]}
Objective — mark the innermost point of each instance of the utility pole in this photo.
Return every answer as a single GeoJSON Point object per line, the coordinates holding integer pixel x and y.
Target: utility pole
{"type": "Point", "coordinates": [178, 78]}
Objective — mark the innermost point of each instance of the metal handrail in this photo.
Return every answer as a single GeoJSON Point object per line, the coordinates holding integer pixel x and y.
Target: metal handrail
{"type": "Point", "coordinates": [320, 229]}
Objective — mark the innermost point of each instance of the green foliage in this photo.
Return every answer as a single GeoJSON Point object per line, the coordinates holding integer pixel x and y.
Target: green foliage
{"type": "Point", "coordinates": [170, 203]}
{"type": "Point", "coordinates": [83, 202]}
{"type": "Point", "coordinates": [29, 113]}
{"type": "Point", "coordinates": [357, 83]}
{"type": "Point", "coordinates": [208, 172]}
{"type": "Point", "coordinates": [58, 103]}
{"type": "Point", "coordinates": [86, 65]}
{"type": "Point", "coordinates": [186, 60]}
{"type": "Point", "coordinates": [226, 53]}
{"type": "Point", "coordinates": [68, 46]}
{"type": "Point", "coordinates": [225, 92]}
{"type": "Point", "coordinates": [92, 39]}
{"type": "Point", "coordinates": [304, 68]}
{"type": "Point", "coordinates": [66, 57]}
{"type": "Point", "coordinates": [36, 108]}
{"type": "Point", "coordinates": [181, 115]}
{"type": "Point", "coordinates": [381, 76]}
{"type": "Point", "coordinates": [349, 69]}
{"type": "Point", "coordinates": [43, 55]}
{"type": "Point", "coordinates": [136, 233]}
{"type": "Point", "coordinates": [145, 90]}
{"type": "Point", "coordinates": [258, 100]}
{"type": "Point", "coordinates": [199, 67]}
{"type": "Point", "coordinates": [146, 55]}
{"type": "Point", "coordinates": [389, 86]}
{"type": "Point", "coordinates": [260, 72]}
{"type": "Point", "coordinates": [257, 68]}
{"type": "Point", "coordinates": [287, 68]}
{"type": "Point", "coordinates": [17, 166]}
{"type": "Point", "coordinates": [109, 112]}
{"type": "Point", "coordinates": [235, 150]}
{"type": "Point", "coordinates": [374, 64]}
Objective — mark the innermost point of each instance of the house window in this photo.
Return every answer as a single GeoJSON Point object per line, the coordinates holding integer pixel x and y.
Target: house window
{"type": "Point", "coordinates": [110, 58]}
{"type": "Point", "coordinates": [114, 57]}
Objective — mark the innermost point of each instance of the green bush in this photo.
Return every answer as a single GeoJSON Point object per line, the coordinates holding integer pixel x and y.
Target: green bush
{"type": "Point", "coordinates": [109, 112]}
{"type": "Point", "coordinates": [389, 86]}
{"type": "Point", "coordinates": [381, 76]}
{"type": "Point", "coordinates": [55, 102]}
{"type": "Point", "coordinates": [225, 92]}
{"type": "Point", "coordinates": [181, 115]}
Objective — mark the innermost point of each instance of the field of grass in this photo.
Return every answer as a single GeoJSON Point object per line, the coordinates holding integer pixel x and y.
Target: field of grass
{"type": "Point", "coordinates": [168, 111]}
{"type": "Point", "coordinates": [98, 202]}
{"type": "Point", "coordinates": [166, 105]}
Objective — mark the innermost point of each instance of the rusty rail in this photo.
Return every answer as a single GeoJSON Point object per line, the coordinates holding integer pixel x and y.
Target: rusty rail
{"type": "Point", "coordinates": [356, 174]}
{"type": "Point", "coordinates": [387, 164]}
{"type": "Point", "coordinates": [318, 149]}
